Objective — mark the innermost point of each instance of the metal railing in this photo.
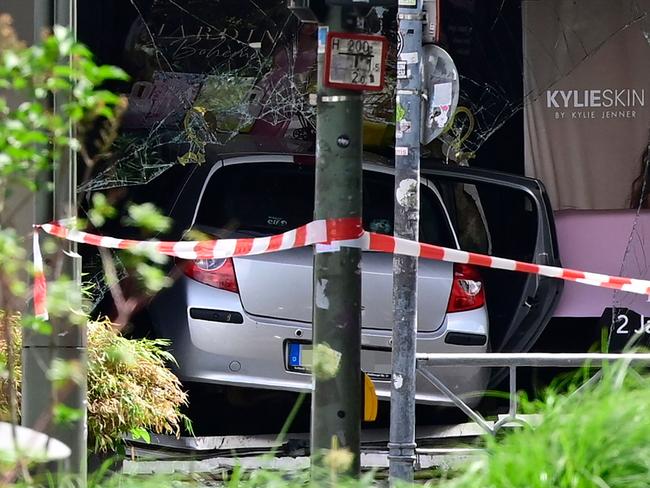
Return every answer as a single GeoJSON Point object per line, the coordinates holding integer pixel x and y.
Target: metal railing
{"type": "Point", "coordinates": [512, 361]}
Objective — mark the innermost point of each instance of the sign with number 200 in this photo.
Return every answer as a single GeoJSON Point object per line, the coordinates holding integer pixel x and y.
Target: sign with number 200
{"type": "Point", "coordinates": [355, 61]}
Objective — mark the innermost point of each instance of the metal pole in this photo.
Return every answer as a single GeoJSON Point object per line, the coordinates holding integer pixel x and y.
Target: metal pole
{"type": "Point", "coordinates": [405, 268]}
{"type": "Point", "coordinates": [68, 340]}
{"type": "Point", "coordinates": [336, 402]}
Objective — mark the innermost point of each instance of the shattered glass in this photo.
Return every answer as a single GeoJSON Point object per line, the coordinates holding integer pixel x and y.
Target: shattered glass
{"type": "Point", "coordinates": [203, 75]}
{"type": "Point", "coordinates": [204, 72]}
{"type": "Point", "coordinates": [635, 262]}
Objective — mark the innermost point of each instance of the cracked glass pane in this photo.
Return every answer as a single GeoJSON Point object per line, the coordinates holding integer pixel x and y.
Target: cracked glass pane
{"type": "Point", "coordinates": [205, 72]}
{"type": "Point", "coordinates": [586, 68]}
{"type": "Point", "coordinates": [202, 75]}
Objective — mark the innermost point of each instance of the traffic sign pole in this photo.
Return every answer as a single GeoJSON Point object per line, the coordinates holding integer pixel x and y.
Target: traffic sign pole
{"type": "Point", "coordinates": [337, 398]}
{"type": "Point", "coordinates": [405, 268]}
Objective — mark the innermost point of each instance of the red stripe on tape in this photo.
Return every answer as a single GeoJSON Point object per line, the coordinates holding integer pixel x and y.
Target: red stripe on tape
{"type": "Point", "coordinates": [301, 236]}
{"type": "Point", "coordinates": [480, 260]}
{"type": "Point", "coordinates": [93, 240]}
{"type": "Point", "coordinates": [243, 246]}
{"type": "Point", "coordinates": [617, 280]}
{"type": "Point", "coordinates": [573, 275]}
{"type": "Point", "coordinates": [126, 244]}
{"type": "Point", "coordinates": [431, 252]}
{"type": "Point", "coordinates": [382, 243]}
{"type": "Point", "coordinates": [526, 267]}
{"type": "Point", "coordinates": [40, 294]}
{"type": "Point", "coordinates": [344, 229]}
{"type": "Point", "coordinates": [275, 243]}
{"type": "Point", "coordinates": [57, 230]}
{"type": "Point", "coordinates": [205, 249]}
{"type": "Point", "coordinates": [166, 247]}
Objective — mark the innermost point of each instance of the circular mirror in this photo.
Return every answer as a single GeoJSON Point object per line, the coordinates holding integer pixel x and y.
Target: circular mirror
{"type": "Point", "coordinates": [442, 88]}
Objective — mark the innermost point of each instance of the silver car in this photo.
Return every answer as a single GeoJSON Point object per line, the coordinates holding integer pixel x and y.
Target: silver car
{"type": "Point", "coordinates": [246, 321]}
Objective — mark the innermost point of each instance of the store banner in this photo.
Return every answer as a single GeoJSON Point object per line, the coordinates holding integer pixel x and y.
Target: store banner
{"type": "Point", "coordinates": [587, 106]}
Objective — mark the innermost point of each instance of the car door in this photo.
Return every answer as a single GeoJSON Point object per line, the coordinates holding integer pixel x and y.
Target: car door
{"type": "Point", "coordinates": [506, 216]}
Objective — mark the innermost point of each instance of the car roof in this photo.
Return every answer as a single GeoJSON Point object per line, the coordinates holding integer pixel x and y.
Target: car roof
{"type": "Point", "coordinates": [248, 145]}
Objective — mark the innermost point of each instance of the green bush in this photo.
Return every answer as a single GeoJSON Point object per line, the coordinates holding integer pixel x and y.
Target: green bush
{"type": "Point", "coordinates": [130, 389]}
{"type": "Point", "coordinates": [595, 437]}
{"type": "Point", "coordinates": [5, 384]}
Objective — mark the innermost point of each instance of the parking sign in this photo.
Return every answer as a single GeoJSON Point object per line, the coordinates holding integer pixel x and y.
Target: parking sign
{"type": "Point", "coordinates": [355, 61]}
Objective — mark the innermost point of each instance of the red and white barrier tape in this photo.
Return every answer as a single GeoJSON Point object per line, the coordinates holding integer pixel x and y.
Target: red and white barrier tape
{"type": "Point", "coordinates": [328, 235]}
{"type": "Point", "coordinates": [40, 284]}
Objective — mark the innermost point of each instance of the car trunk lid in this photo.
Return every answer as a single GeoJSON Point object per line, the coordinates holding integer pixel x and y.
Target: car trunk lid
{"type": "Point", "coordinates": [279, 285]}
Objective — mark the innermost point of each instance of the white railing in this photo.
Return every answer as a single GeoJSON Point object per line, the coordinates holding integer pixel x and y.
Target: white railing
{"type": "Point", "coordinates": [512, 361]}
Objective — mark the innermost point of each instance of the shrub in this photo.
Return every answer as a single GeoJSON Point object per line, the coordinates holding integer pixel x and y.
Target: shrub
{"type": "Point", "coordinates": [130, 389]}
{"type": "Point", "coordinates": [595, 437]}
{"type": "Point", "coordinates": [5, 386]}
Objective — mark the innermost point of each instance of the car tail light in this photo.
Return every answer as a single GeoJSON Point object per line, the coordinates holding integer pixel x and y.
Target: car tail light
{"type": "Point", "coordinates": [219, 273]}
{"type": "Point", "coordinates": [467, 291]}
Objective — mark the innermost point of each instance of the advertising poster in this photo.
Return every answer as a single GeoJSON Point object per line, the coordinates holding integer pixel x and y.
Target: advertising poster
{"type": "Point", "coordinates": [587, 79]}
{"type": "Point", "coordinates": [586, 134]}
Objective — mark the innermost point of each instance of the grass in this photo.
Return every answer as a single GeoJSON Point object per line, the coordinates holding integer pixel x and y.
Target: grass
{"type": "Point", "coordinates": [595, 437]}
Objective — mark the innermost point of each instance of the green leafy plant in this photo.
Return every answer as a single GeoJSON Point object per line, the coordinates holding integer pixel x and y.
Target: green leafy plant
{"type": "Point", "coordinates": [592, 437]}
{"type": "Point", "coordinates": [46, 90]}
{"type": "Point", "coordinates": [130, 388]}
{"type": "Point", "coordinates": [34, 134]}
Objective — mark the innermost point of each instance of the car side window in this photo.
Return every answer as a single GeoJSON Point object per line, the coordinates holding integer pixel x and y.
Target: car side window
{"type": "Point", "coordinates": [491, 219]}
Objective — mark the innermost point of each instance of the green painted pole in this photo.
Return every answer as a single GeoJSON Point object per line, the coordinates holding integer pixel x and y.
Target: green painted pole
{"type": "Point", "coordinates": [337, 400]}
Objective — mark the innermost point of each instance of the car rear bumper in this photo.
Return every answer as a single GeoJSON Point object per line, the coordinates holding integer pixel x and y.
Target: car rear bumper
{"type": "Point", "coordinates": [251, 351]}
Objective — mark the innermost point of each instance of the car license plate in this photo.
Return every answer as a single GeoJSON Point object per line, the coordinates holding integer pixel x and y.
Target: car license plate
{"type": "Point", "coordinates": [299, 357]}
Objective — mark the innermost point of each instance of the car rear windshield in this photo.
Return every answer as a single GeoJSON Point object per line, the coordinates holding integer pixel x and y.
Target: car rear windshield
{"type": "Point", "coordinates": [261, 199]}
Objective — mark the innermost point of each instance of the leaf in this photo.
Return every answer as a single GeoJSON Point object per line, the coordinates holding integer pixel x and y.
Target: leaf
{"type": "Point", "coordinates": [60, 32]}
{"type": "Point", "coordinates": [154, 278]}
{"type": "Point", "coordinates": [37, 324]}
{"type": "Point", "coordinates": [148, 217]}
{"type": "Point", "coordinates": [141, 433]}
{"type": "Point", "coordinates": [326, 361]}
{"type": "Point", "coordinates": [64, 414]}
{"type": "Point", "coordinates": [10, 59]}
{"type": "Point", "coordinates": [63, 371]}
{"type": "Point", "coordinates": [107, 72]}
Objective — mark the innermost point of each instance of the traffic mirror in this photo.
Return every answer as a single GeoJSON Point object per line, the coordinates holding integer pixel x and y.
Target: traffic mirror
{"type": "Point", "coordinates": [441, 86]}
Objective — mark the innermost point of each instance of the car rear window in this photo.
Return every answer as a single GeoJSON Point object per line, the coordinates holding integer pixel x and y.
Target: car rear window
{"type": "Point", "coordinates": [260, 199]}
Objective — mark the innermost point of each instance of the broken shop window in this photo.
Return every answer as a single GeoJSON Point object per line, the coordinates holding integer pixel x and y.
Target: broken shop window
{"type": "Point", "coordinates": [205, 72]}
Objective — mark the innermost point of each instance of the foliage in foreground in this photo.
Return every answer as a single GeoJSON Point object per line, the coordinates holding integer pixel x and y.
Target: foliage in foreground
{"type": "Point", "coordinates": [239, 478]}
{"type": "Point", "coordinates": [130, 389]}
{"type": "Point", "coordinates": [595, 437]}
{"type": "Point", "coordinates": [9, 381]}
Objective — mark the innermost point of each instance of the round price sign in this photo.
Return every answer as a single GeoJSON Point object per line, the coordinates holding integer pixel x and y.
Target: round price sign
{"type": "Point", "coordinates": [355, 61]}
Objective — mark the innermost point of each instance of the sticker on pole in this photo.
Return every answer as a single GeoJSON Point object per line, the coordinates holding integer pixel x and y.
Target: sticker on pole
{"type": "Point", "coordinates": [355, 61]}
